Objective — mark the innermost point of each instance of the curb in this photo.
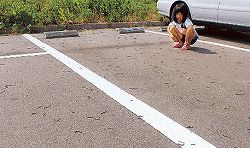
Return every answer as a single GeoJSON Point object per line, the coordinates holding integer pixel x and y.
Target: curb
{"type": "Point", "coordinates": [113, 25]}
{"type": "Point", "coordinates": [92, 26]}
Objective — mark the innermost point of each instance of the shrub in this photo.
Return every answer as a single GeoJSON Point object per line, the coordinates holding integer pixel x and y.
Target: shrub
{"type": "Point", "coordinates": [27, 14]}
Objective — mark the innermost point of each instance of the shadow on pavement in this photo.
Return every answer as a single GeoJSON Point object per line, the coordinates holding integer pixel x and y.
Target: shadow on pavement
{"type": "Point", "coordinates": [202, 50]}
{"type": "Point", "coordinates": [223, 34]}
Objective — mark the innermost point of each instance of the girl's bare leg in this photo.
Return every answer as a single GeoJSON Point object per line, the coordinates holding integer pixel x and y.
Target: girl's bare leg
{"type": "Point", "coordinates": [190, 35]}
{"type": "Point", "coordinates": [175, 34]}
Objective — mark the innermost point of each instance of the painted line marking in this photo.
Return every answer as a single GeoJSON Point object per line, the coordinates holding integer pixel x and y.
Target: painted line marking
{"type": "Point", "coordinates": [23, 55]}
{"type": "Point", "coordinates": [207, 42]}
{"type": "Point", "coordinates": [174, 131]}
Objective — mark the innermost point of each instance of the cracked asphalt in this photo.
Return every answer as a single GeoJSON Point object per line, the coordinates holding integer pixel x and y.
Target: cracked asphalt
{"type": "Point", "coordinates": [206, 89]}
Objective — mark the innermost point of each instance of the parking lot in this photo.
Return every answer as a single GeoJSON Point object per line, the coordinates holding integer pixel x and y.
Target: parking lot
{"type": "Point", "coordinates": [104, 89]}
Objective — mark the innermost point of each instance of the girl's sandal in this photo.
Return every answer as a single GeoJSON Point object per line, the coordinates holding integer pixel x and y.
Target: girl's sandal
{"type": "Point", "coordinates": [185, 47]}
{"type": "Point", "coordinates": [178, 45]}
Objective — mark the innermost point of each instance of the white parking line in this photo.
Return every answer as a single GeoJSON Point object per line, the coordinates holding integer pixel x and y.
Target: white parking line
{"type": "Point", "coordinates": [23, 55]}
{"type": "Point", "coordinates": [159, 121]}
{"type": "Point", "coordinates": [207, 42]}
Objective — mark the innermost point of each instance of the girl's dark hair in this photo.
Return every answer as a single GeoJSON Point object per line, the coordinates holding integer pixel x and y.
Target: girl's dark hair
{"type": "Point", "coordinates": [183, 9]}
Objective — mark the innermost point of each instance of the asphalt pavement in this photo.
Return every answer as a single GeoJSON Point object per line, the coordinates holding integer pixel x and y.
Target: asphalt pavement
{"type": "Point", "coordinates": [91, 90]}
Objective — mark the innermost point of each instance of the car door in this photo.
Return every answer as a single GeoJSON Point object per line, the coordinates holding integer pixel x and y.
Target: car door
{"type": "Point", "coordinates": [164, 6]}
{"type": "Point", "coordinates": [235, 12]}
{"type": "Point", "coordinates": [204, 10]}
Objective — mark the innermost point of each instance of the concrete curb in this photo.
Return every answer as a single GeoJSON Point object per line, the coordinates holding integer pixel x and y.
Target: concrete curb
{"type": "Point", "coordinates": [90, 26]}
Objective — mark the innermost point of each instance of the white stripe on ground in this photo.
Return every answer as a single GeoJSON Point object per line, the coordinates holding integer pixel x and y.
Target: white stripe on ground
{"type": "Point", "coordinates": [207, 42]}
{"type": "Point", "coordinates": [23, 55]}
{"type": "Point", "coordinates": [174, 131]}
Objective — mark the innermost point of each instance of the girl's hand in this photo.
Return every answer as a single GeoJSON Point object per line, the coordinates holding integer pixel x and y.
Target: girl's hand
{"type": "Point", "coordinates": [184, 31]}
{"type": "Point", "coordinates": [187, 43]}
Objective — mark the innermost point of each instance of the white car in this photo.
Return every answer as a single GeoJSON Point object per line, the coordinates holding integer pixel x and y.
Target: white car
{"type": "Point", "coordinates": [226, 13]}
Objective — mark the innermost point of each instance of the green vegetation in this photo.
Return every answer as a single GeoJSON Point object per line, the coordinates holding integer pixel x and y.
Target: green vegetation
{"type": "Point", "coordinates": [26, 15]}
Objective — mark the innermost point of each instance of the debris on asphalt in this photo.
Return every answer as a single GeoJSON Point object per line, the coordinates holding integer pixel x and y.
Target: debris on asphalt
{"type": "Point", "coordinates": [60, 34]}
{"type": "Point", "coordinates": [46, 107]}
{"type": "Point", "coordinates": [139, 117]}
{"type": "Point", "coordinates": [212, 104]}
{"type": "Point", "coordinates": [240, 94]}
{"type": "Point", "coordinates": [104, 112]}
{"type": "Point", "coordinates": [57, 120]}
{"type": "Point", "coordinates": [199, 101]}
{"type": "Point", "coordinates": [130, 30]}
{"type": "Point", "coordinates": [226, 136]}
{"type": "Point", "coordinates": [40, 107]}
{"type": "Point", "coordinates": [133, 88]}
{"type": "Point", "coordinates": [164, 29]}
{"type": "Point", "coordinates": [180, 143]}
{"type": "Point", "coordinates": [90, 117]}
{"type": "Point", "coordinates": [7, 86]}
{"type": "Point", "coordinates": [78, 132]}
{"type": "Point", "coordinates": [2, 91]}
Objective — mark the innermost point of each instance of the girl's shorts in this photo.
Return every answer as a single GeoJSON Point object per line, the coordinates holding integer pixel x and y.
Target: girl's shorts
{"type": "Point", "coordinates": [193, 40]}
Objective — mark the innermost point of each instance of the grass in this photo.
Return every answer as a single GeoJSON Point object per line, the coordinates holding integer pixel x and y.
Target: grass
{"type": "Point", "coordinates": [25, 15]}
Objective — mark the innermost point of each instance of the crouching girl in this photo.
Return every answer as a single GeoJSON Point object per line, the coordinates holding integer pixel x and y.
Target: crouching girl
{"type": "Point", "coordinates": [181, 29]}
